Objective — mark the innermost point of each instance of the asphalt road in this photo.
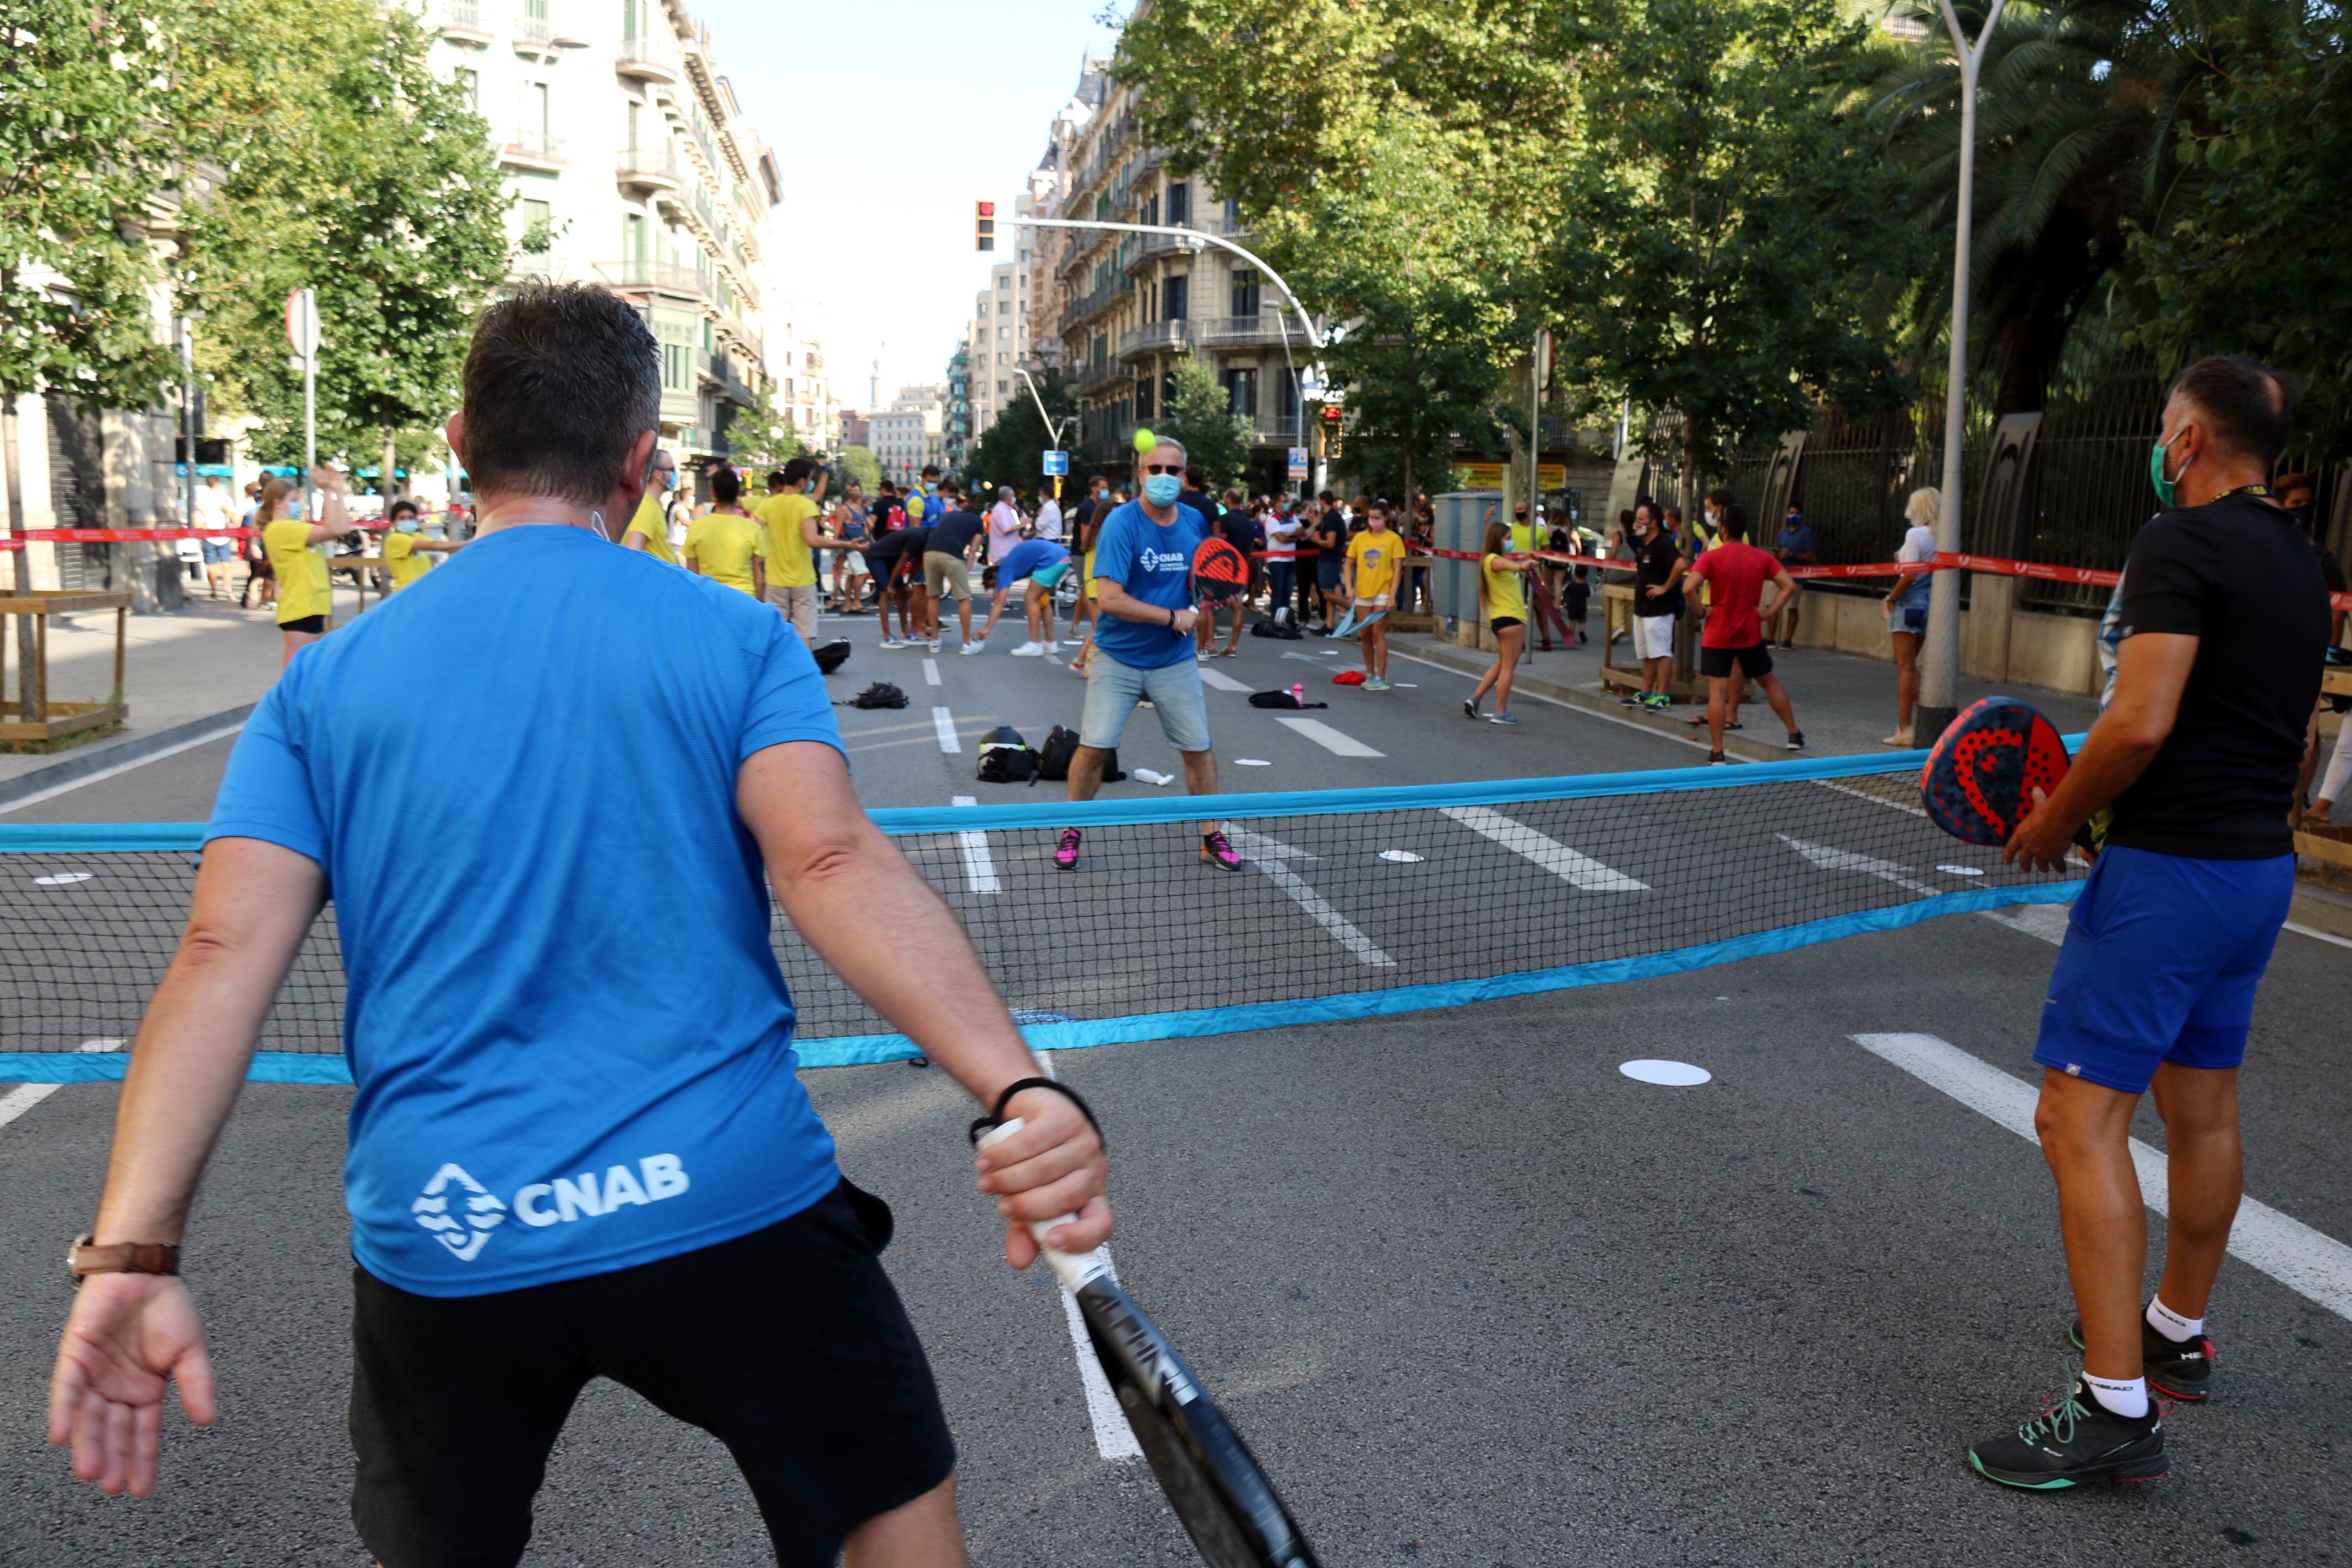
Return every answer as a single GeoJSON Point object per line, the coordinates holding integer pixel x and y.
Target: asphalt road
{"type": "Point", "coordinates": [1474, 1296]}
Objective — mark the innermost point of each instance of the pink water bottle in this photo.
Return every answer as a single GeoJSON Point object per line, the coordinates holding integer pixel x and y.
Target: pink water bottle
{"type": "Point", "coordinates": [1298, 692]}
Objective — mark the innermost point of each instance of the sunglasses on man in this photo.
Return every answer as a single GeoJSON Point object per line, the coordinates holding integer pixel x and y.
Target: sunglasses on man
{"type": "Point", "coordinates": [1176, 468]}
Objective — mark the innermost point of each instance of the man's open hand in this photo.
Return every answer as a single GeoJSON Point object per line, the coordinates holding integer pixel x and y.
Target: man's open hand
{"type": "Point", "coordinates": [2040, 841]}
{"type": "Point", "coordinates": [1052, 1166]}
{"type": "Point", "coordinates": [128, 1336]}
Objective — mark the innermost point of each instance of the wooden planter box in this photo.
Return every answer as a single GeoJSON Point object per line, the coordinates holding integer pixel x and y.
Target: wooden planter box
{"type": "Point", "coordinates": [31, 716]}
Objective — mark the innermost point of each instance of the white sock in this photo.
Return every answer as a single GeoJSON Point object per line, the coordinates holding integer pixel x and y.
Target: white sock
{"type": "Point", "coordinates": [2171, 1324]}
{"type": "Point", "coordinates": [2127, 1397]}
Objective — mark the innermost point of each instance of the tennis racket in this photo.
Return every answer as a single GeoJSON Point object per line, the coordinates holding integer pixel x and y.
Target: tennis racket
{"type": "Point", "coordinates": [1979, 781]}
{"type": "Point", "coordinates": [1231, 1511]}
{"type": "Point", "coordinates": [1219, 571]}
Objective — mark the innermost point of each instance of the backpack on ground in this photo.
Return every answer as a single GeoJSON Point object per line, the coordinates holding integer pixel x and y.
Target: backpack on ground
{"type": "Point", "coordinates": [881, 694]}
{"type": "Point", "coordinates": [830, 656]}
{"type": "Point", "coordinates": [1281, 700]}
{"type": "Point", "coordinates": [1005, 758]}
{"type": "Point", "coordinates": [1282, 624]}
{"type": "Point", "coordinates": [1061, 746]}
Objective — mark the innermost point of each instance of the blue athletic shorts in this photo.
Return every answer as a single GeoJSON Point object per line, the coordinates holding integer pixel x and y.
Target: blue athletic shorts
{"type": "Point", "coordinates": [2160, 962]}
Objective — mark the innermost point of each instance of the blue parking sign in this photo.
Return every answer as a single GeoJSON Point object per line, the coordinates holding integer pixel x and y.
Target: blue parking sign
{"type": "Point", "coordinates": [1057, 465]}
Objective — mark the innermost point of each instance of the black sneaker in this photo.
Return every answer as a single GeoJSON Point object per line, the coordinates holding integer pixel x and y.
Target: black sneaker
{"type": "Point", "coordinates": [2182, 1372]}
{"type": "Point", "coordinates": [1631, 700]}
{"type": "Point", "coordinates": [1796, 740]}
{"type": "Point", "coordinates": [1717, 760]}
{"type": "Point", "coordinates": [2077, 1439]}
{"type": "Point", "coordinates": [1470, 707]}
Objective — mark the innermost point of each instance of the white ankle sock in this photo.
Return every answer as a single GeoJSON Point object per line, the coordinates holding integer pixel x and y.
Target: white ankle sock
{"type": "Point", "coordinates": [2171, 1324]}
{"type": "Point", "coordinates": [2126, 1397]}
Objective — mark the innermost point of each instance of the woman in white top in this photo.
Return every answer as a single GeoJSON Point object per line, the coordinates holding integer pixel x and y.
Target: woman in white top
{"type": "Point", "coordinates": [1281, 560]}
{"type": "Point", "coordinates": [1906, 608]}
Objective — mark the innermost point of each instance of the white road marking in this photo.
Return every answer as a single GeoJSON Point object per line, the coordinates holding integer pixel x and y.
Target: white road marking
{"type": "Point", "coordinates": [1114, 1438]}
{"type": "Point", "coordinates": [1832, 859]}
{"type": "Point", "coordinates": [26, 1096]}
{"type": "Point", "coordinates": [943, 723]}
{"type": "Point", "coordinates": [1222, 681]}
{"type": "Point", "coordinates": [931, 672]}
{"type": "Point", "coordinates": [2309, 1262]}
{"type": "Point", "coordinates": [1572, 865]}
{"type": "Point", "coordinates": [206, 738]}
{"type": "Point", "coordinates": [1331, 740]}
{"type": "Point", "coordinates": [2314, 933]}
{"type": "Point", "coordinates": [1273, 857]}
{"type": "Point", "coordinates": [2047, 921]}
{"type": "Point", "coordinates": [978, 867]}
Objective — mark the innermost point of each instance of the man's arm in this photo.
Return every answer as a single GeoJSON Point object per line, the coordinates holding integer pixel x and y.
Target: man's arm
{"type": "Point", "coordinates": [129, 1334]}
{"type": "Point", "coordinates": [2151, 672]}
{"type": "Point", "coordinates": [1111, 595]}
{"type": "Point", "coordinates": [837, 877]}
{"type": "Point", "coordinates": [1787, 590]}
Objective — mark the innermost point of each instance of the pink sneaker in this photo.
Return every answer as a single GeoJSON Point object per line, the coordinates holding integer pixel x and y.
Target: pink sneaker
{"type": "Point", "coordinates": [1066, 857]}
{"type": "Point", "coordinates": [1217, 852]}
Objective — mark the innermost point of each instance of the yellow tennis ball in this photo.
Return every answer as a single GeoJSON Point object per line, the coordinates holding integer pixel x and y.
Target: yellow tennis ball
{"type": "Point", "coordinates": [1144, 440]}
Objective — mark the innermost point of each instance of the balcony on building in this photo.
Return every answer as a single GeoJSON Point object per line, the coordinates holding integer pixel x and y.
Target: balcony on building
{"type": "Point", "coordinates": [461, 22]}
{"type": "Point", "coordinates": [533, 149]}
{"type": "Point", "coordinates": [534, 38]}
{"type": "Point", "coordinates": [648, 168]}
{"type": "Point", "coordinates": [648, 59]}
{"type": "Point", "coordinates": [1156, 337]}
{"type": "Point", "coordinates": [668, 276]}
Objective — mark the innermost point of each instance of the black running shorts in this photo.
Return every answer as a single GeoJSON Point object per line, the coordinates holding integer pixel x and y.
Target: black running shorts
{"type": "Point", "coordinates": [315, 625]}
{"type": "Point", "coordinates": [789, 1345]}
{"type": "Point", "coordinates": [1753, 660]}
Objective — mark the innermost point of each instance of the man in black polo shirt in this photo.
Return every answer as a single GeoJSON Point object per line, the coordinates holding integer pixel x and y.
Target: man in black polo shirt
{"type": "Point", "coordinates": [2223, 623]}
{"type": "Point", "coordinates": [1657, 604]}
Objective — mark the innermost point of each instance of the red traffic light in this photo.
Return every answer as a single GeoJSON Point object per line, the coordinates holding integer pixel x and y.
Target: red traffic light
{"type": "Point", "coordinates": [987, 209]}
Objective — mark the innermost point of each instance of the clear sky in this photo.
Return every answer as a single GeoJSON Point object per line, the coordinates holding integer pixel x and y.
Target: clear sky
{"type": "Point", "coordinates": [889, 119]}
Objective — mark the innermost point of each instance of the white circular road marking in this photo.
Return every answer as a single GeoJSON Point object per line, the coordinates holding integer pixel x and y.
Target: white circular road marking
{"type": "Point", "coordinates": [1962, 870]}
{"type": "Point", "coordinates": [1674, 1075]}
{"type": "Point", "coordinates": [63, 878]}
{"type": "Point", "coordinates": [1407, 856]}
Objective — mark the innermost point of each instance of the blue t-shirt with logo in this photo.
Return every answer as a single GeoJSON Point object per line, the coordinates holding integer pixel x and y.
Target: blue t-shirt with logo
{"type": "Point", "coordinates": [572, 1041]}
{"type": "Point", "coordinates": [1027, 557]}
{"type": "Point", "coordinates": [1154, 565]}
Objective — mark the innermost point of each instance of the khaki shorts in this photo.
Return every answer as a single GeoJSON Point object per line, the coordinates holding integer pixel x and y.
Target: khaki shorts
{"type": "Point", "coordinates": [800, 607]}
{"type": "Point", "coordinates": [946, 575]}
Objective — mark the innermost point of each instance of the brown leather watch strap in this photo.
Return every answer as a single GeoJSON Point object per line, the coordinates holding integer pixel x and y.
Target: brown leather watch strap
{"type": "Point", "coordinates": [122, 1257]}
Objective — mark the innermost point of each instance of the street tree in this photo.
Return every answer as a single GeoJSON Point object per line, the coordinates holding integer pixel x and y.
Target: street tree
{"type": "Point", "coordinates": [1201, 414]}
{"type": "Point", "coordinates": [1012, 450]}
{"type": "Point", "coordinates": [859, 466]}
{"type": "Point", "coordinates": [760, 436]}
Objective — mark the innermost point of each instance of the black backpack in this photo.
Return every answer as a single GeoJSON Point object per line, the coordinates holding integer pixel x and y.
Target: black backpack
{"type": "Point", "coordinates": [881, 694]}
{"type": "Point", "coordinates": [1061, 746]}
{"type": "Point", "coordinates": [1282, 624]}
{"type": "Point", "coordinates": [1281, 700]}
{"type": "Point", "coordinates": [1005, 758]}
{"type": "Point", "coordinates": [830, 656]}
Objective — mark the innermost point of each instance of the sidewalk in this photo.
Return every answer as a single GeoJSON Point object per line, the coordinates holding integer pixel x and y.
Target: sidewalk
{"type": "Point", "coordinates": [209, 660]}
{"type": "Point", "coordinates": [1844, 704]}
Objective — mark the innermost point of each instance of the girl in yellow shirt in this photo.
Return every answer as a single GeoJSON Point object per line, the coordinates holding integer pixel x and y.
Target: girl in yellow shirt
{"type": "Point", "coordinates": [1503, 597]}
{"type": "Point", "coordinates": [306, 599]}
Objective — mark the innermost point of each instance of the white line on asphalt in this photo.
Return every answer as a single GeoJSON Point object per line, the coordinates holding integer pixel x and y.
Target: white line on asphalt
{"type": "Point", "coordinates": [26, 1096]}
{"type": "Point", "coordinates": [979, 869]}
{"type": "Point", "coordinates": [2302, 930]}
{"type": "Point", "coordinates": [1273, 857]}
{"type": "Point", "coordinates": [1331, 740]}
{"type": "Point", "coordinates": [943, 723]}
{"type": "Point", "coordinates": [1570, 865]}
{"type": "Point", "coordinates": [1222, 681]}
{"type": "Point", "coordinates": [206, 738]}
{"type": "Point", "coordinates": [1114, 1438]}
{"type": "Point", "coordinates": [931, 672]}
{"type": "Point", "coordinates": [2047, 921]}
{"type": "Point", "coordinates": [1830, 858]}
{"type": "Point", "coordinates": [1523, 694]}
{"type": "Point", "coordinates": [2308, 1262]}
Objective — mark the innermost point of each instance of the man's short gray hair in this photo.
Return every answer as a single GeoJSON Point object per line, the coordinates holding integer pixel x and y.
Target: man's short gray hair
{"type": "Point", "coordinates": [1005, 492]}
{"type": "Point", "coordinates": [1160, 441]}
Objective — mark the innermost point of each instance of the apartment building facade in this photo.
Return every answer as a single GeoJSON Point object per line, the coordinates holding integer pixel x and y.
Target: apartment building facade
{"type": "Point", "coordinates": [1133, 306]}
{"type": "Point", "coordinates": [910, 434]}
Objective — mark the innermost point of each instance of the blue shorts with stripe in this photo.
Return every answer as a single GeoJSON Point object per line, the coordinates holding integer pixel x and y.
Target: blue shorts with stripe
{"type": "Point", "coordinates": [2161, 959]}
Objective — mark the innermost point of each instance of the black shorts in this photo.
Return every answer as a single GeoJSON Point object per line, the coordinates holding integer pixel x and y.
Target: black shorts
{"type": "Point", "coordinates": [1753, 660]}
{"type": "Point", "coordinates": [1502, 623]}
{"type": "Point", "coordinates": [315, 625]}
{"type": "Point", "coordinates": [789, 1345]}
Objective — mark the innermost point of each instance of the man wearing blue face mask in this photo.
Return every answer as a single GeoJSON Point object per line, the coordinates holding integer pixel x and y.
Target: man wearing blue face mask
{"type": "Point", "coordinates": [1143, 643]}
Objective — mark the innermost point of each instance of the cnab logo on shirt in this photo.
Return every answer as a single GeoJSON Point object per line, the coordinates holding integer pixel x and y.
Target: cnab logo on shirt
{"type": "Point", "coordinates": [1156, 560]}
{"type": "Point", "coordinates": [563, 1201]}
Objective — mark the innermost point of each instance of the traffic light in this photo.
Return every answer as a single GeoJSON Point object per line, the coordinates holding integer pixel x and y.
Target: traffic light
{"type": "Point", "coordinates": [983, 225]}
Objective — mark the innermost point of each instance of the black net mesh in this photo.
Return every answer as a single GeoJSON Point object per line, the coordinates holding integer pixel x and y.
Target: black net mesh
{"type": "Point", "coordinates": [1324, 905]}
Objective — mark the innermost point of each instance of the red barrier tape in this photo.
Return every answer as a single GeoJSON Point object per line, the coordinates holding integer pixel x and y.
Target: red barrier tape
{"type": "Point", "coordinates": [17, 541]}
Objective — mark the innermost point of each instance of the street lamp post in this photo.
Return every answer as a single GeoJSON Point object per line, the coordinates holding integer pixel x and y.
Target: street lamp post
{"type": "Point", "coordinates": [1053, 429]}
{"type": "Point", "coordinates": [1939, 670]}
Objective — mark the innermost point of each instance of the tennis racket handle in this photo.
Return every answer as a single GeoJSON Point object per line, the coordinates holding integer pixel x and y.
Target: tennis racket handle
{"type": "Point", "coordinates": [1075, 1270]}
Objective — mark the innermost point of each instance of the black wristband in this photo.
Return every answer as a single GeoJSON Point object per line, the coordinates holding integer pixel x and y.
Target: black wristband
{"type": "Point", "coordinates": [996, 1117]}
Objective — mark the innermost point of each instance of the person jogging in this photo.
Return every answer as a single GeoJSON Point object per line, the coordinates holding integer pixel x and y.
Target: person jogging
{"type": "Point", "coordinates": [556, 1171]}
{"type": "Point", "coordinates": [2223, 626]}
{"type": "Point", "coordinates": [1143, 644]}
{"type": "Point", "coordinates": [306, 594]}
{"type": "Point", "coordinates": [1732, 648]}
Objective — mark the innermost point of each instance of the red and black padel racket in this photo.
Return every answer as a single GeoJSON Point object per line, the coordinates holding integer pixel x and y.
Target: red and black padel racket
{"type": "Point", "coordinates": [1980, 780]}
{"type": "Point", "coordinates": [1219, 571]}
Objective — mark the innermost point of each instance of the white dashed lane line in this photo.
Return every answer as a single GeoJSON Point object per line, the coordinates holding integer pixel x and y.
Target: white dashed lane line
{"type": "Point", "coordinates": [1220, 680]}
{"type": "Point", "coordinates": [931, 672]}
{"type": "Point", "coordinates": [943, 721]}
{"type": "Point", "coordinates": [1570, 865]}
{"type": "Point", "coordinates": [978, 866]}
{"type": "Point", "coordinates": [1273, 857]}
{"type": "Point", "coordinates": [1114, 1438]}
{"type": "Point", "coordinates": [1337, 743]}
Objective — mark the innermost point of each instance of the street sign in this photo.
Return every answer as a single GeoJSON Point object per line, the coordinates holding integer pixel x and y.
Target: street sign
{"type": "Point", "coordinates": [1310, 383]}
{"type": "Point", "coordinates": [1298, 462]}
{"type": "Point", "coordinates": [1057, 465]}
{"type": "Point", "coordinates": [302, 322]}
{"type": "Point", "coordinates": [1543, 359]}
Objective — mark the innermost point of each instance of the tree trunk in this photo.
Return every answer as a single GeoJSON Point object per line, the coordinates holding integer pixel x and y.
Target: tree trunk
{"type": "Point", "coordinates": [385, 482]}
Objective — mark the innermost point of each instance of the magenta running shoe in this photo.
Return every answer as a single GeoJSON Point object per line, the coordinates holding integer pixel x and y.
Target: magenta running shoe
{"type": "Point", "coordinates": [1066, 857]}
{"type": "Point", "coordinates": [1218, 852]}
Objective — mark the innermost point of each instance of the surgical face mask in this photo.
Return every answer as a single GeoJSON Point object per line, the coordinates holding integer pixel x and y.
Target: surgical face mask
{"type": "Point", "coordinates": [665, 478]}
{"type": "Point", "coordinates": [2165, 489]}
{"type": "Point", "coordinates": [1161, 489]}
{"type": "Point", "coordinates": [405, 524]}
{"type": "Point", "coordinates": [295, 508]}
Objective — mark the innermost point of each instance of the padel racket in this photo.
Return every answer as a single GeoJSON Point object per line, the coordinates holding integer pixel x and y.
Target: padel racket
{"type": "Point", "coordinates": [1980, 778]}
{"type": "Point", "coordinates": [1219, 571]}
{"type": "Point", "coordinates": [1229, 1507]}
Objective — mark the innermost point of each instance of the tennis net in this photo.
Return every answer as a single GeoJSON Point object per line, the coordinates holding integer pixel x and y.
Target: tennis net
{"type": "Point", "coordinates": [1350, 903]}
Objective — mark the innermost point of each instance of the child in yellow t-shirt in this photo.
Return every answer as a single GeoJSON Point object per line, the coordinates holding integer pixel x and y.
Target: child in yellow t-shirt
{"type": "Point", "coordinates": [1371, 581]}
{"type": "Point", "coordinates": [725, 543]}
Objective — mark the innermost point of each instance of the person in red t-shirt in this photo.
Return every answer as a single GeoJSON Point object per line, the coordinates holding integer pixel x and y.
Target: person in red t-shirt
{"type": "Point", "coordinates": [1737, 571]}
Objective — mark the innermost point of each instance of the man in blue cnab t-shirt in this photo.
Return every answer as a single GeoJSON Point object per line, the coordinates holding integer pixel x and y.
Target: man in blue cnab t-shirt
{"type": "Point", "coordinates": [1143, 644]}
{"type": "Point", "coordinates": [560, 1168]}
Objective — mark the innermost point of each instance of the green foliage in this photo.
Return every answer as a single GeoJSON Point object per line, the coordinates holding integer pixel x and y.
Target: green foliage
{"type": "Point", "coordinates": [859, 466]}
{"type": "Point", "coordinates": [759, 434]}
{"type": "Point", "coordinates": [1012, 450]}
{"type": "Point", "coordinates": [84, 155]}
{"type": "Point", "coordinates": [344, 166]}
{"type": "Point", "coordinates": [2245, 259]}
{"type": "Point", "coordinates": [1732, 238]}
{"type": "Point", "coordinates": [1201, 416]}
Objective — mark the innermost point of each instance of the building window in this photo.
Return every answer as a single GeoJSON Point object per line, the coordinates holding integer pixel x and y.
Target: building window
{"type": "Point", "coordinates": [1004, 280]}
{"type": "Point", "coordinates": [1286, 380]}
{"type": "Point", "coordinates": [1172, 291]}
{"type": "Point", "coordinates": [1240, 392]}
{"type": "Point", "coordinates": [1150, 213]}
{"type": "Point", "coordinates": [1005, 308]}
{"type": "Point", "coordinates": [1180, 202]}
{"type": "Point", "coordinates": [470, 84]}
{"type": "Point", "coordinates": [1244, 299]}
{"type": "Point", "coordinates": [538, 226]}
{"type": "Point", "coordinates": [1233, 219]}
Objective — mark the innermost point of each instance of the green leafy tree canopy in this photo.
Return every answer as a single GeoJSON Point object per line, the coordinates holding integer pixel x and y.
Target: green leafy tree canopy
{"type": "Point", "coordinates": [1201, 416]}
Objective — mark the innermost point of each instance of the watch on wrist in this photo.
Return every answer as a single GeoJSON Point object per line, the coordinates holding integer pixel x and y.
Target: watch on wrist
{"type": "Point", "coordinates": [85, 1257]}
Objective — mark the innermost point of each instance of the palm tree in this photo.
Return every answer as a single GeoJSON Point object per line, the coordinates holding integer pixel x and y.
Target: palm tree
{"type": "Point", "coordinates": [2075, 136]}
